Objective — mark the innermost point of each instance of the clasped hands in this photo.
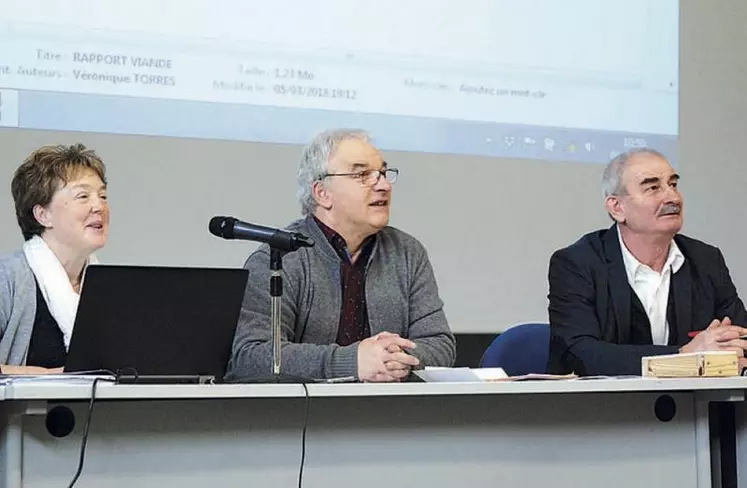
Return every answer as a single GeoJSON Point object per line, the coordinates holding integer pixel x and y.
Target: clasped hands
{"type": "Point", "coordinates": [384, 357]}
{"type": "Point", "coordinates": [720, 335]}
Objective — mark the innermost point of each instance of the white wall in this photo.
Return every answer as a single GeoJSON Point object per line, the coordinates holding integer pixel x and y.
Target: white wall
{"type": "Point", "coordinates": [489, 224]}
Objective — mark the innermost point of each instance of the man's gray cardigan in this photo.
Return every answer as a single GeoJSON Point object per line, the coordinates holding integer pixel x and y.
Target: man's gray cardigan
{"type": "Point", "coordinates": [401, 295]}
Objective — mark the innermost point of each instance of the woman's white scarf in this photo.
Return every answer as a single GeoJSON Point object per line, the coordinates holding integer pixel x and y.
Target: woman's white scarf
{"type": "Point", "coordinates": [55, 286]}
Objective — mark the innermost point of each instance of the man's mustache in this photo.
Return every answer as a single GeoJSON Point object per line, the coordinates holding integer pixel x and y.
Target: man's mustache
{"type": "Point", "coordinates": [670, 209]}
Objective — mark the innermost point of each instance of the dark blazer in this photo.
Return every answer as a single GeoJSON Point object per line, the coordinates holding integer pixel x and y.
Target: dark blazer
{"type": "Point", "coordinates": [590, 304]}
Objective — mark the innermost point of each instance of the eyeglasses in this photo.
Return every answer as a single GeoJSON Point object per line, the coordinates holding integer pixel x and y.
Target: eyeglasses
{"type": "Point", "coordinates": [369, 177]}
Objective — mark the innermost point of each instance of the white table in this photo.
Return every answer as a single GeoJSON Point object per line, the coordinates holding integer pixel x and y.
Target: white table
{"type": "Point", "coordinates": [583, 433]}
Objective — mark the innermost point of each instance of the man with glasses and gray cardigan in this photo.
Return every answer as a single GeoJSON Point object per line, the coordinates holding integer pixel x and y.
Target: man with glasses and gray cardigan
{"type": "Point", "coordinates": [363, 301]}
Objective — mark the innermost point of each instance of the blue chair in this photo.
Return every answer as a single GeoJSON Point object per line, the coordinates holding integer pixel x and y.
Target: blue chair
{"type": "Point", "coordinates": [522, 349]}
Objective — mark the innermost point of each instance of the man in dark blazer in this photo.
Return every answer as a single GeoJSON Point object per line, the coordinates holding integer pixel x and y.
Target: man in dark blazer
{"type": "Point", "coordinates": [639, 288]}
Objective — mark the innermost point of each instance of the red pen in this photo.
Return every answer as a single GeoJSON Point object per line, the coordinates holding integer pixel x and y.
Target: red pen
{"type": "Point", "coordinates": [694, 333]}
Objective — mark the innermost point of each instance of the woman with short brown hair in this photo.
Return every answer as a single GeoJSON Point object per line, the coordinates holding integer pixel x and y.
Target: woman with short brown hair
{"type": "Point", "coordinates": [61, 207]}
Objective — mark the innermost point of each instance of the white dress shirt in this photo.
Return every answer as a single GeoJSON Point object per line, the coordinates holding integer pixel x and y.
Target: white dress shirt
{"type": "Point", "coordinates": [652, 287]}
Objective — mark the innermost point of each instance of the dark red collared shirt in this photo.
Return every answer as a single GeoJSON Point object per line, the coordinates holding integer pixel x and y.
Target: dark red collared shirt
{"type": "Point", "coordinates": [353, 326]}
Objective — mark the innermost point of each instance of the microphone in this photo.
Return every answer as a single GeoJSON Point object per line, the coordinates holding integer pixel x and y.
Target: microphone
{"type": "Point", "coordinates": [232, 228]}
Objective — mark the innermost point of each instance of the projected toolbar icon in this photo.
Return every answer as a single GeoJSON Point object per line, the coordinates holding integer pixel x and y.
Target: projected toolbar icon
{"type": "Point", "coordinates": [634, 142]}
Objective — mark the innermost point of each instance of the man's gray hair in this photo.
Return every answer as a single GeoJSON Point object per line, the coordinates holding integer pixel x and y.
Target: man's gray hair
{"type": "Point", "coordinates": [314, 159]}
{"type": "Point", "coordinates": [612, 176]}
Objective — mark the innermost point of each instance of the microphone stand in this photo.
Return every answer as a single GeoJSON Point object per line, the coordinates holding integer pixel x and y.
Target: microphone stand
{"type": "Point", "coordinates": [276, 300]}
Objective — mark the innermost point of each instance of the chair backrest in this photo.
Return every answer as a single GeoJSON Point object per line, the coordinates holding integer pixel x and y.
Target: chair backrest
{"type": "Point", "coordinates": [522, 349]}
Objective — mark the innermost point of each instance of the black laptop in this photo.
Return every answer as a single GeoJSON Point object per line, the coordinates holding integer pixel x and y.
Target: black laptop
{"type": "Point", "coordinates": [153, 324]}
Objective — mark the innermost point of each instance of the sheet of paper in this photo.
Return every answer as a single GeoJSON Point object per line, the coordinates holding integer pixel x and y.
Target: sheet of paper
{"type": "Point", "coordinates": [459, 375]}
{"type": "Point", "coordinates": [52, 378]}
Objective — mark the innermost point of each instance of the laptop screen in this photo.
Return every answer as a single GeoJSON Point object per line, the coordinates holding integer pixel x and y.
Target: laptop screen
{"type": "Point", "coordinates": [156, 320]}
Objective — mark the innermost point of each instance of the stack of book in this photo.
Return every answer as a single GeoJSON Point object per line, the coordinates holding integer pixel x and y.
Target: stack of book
{"type": "Point", "coordinates": [692, 365]}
